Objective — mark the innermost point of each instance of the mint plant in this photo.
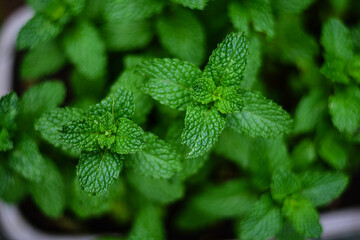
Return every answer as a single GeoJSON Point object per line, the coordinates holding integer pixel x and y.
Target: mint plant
{"type": "Point", "coordinates": [141, 131]}
{"type": "Point", "coordinates": [212, 97]}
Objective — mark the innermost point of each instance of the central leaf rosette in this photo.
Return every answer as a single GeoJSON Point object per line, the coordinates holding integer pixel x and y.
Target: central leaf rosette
{"type": "Point", "coordinates": [225, 99]}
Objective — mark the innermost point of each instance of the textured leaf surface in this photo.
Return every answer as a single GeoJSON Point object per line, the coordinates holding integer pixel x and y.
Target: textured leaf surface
{"type": "Point", "coordinates": [260, 117]}
{"type": "Point", "coordinates": [50, 125]}
{"type": "Point", "coordinates": [320, 188]}
{"type": "Point", "coordinates": [148, 225]}
{"type": "Point", "coordinates": [344, 108]}
{"type": "Point", "coordinates": [37, 31]}
{"type": "Point", "coordinates": [336, 39]}
{"type": "Point", "coordinates": [302, 216]}
{"type": "Point", "coordinates": [131, 10]}
{"type": "Point", "coordinates": [161, 191]}
{"type": "Point", "coordinates": [98, 170]}
{"type": "Point", "coordinates": [284, 183]}
{"type": "Point", "coordinates": [263, 221]}
{"type": "Point", "coordinates": [203, 126]}
{"type": "Point", "coordinates": [188, 41]}
{"type": "Point", "coordinates": [131, 80]}
{"type": "Point", "coordinates": [203, 89]}
{"type": "Point", "coordinates": [193, 4]}
{"type": "Point", "coordinates": [157, 159]}
{"type": "Point", "coordinates": [335, 69]}
{"type": "Point", "coordinates": [128, 138]}
{"type": "Point", "coordinates": [49, 194]}
{"type": "Point", "coordinates": [86, 50]}
{"type": "Point", "coordinates": [120, 104]}
{"type": "Point", "coordinates": [9, 105]}
{"type": "Point", "coordinates": [170, 81]}
{"type": "Point", "coordinates": [27, 160]}
{"type": "Point", "coordinates": [82, 134]}
{"type": "Point", "coordinates": [228, 61]}
{"type": "Point", "coordinates": [231, 199]}
{"type": "Point", "coordinates": [42, 98]}
{"type": "Point", "coordinates": [41, 61]}
{"type": "Point", "coordinates": [227, 100]}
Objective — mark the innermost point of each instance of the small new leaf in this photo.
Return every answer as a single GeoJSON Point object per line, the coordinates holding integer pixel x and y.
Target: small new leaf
{"type": "Point", "coordinates": [97, 170]}
{"type": "Point", "coordinates": [260, 117]}
{"type": "Point", "coordinates": [284, 183]}
{"type": "Point", "coordinates": [203, 126]}
{"type": "Point", "coordinates": [202, 90]}
{"type": "Point", "coordinates": [170, 81]}
{"type": "Point", "coordinates": [156, 159]}
{"type": "Point", "coordinates": [227, 100]}
{"type": "Point", "coordinates": [228, 61]}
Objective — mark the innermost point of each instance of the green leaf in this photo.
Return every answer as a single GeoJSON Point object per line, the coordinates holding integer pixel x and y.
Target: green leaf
{"type": "Point", "coordinates": [120, 104]}
{"type": "Point", "coordinates": [27, 160]}
{"type": "Point", "coordinates": [50, 125]}
{"type": "Point", "coordinates": [304, 154]}
{"type": "Point", "coordinates": [157, 159]}
{"type": "Point", "coordinates": [75, 6]}
{"type": "Point", "coordinates": [344, 108]}
{"type": "Point", "coordinates": [293, 6]}
{"type": "Point", "coordinates": [98, 170]}
{"type": "Point", "coordinates": [354, 68]}
{"type": "Point", "coordinates": [6, 178]}
{"type": "Point", "coordinates": [82, 134]}
{"type": "Point", "coordinates": [262, 16]}
{"type": "Point", "coordinates": [202, 90]}
{"type": "Point", "coordinates": [42, 61]}
{"type": "Point", "coordinates": [170, 81]}
{"type": "Point", "coordinates": [49, 194]}
{"type": "Point", "coordinates": [335, 69]}
{"type": "Point", "coordinates": [333, 151]}
{"type": "Point", "coordinates": [320, 188]}
{"type": "Point", "coordinates": [42, 98]}
{"type": "Point", "coordinates": [148, 225]}
{"type": "Point", "coordinates": [203, 126]}
{"type": "Point", "coordinates": [37, 31]}
{"type": "Point", "coordinates": [288, 233]}
{"type": "Point", "coordinates": [188, 41]}
{"type": "Point", "coordinates": [239, 16]}
{"type": "Point", "coordinates": [302, 216]}
{"type": "Point", "coordinates": [336, 39]}
{"type": "Point", "coordinates": [192, 4]}
{"type": "Point", "coordinates": [284, 183]}
{"type": "Point", "coordinates": [161, 191]}
{"type": "Point", "coordinates": [309, 112]}
{"type": "Point", "coordinates": [86, 50]}
{"type": "Point", "coordinates": [121, 36]}
{"type": "Point", "coordinates": [228, 61]}
{"type": "Point", "coordinates": [128, 137]}
{"type": "Point", "coordinates": [230, 199]}
{"type": "Point", "coordinates": [9, 106]}
{"type": "Point", "coordinates": [131, 10]}
{"type": "Point", "coordinates": [5, 141]}
{"type": "Point", "coordinates": [54, 10]}
{"type": "Point", "coordinates": [260, 117]}
{"type": "Point", "coordinates": [264, 221]}
{"type": "Point", "coordinates": [108, 129]}
{"type": "Point", "coordinates": [227, 100]}
{"type": "Point", "coordinates": [86, 206]}
{"type": "Point", "coordinates": [131, 80]}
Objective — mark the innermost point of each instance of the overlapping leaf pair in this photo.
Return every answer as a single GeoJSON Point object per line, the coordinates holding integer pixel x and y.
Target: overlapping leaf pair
{"type": "Point", "coordinates": [214, 97]}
